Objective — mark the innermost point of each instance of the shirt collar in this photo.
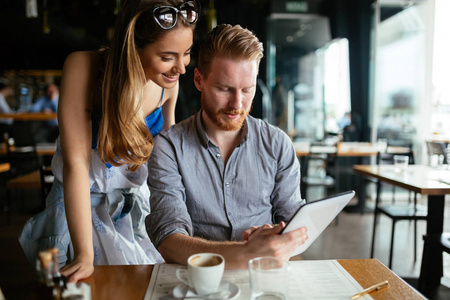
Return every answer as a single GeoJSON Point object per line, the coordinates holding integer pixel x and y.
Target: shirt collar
{"type": "Point", "coordinates": [200, 130]}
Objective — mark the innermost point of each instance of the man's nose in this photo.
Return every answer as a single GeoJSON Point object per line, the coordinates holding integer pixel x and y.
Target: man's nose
{"type": "Point", "coordinates": [236, 101]}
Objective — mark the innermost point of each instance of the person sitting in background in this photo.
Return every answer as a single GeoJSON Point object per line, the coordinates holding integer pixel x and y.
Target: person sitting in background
{"type": "Point", "coordinates": [221, 178]}
{"type": "Point", "coordinates": [5, 92]}
{"type": "Point", "coordinates": [48, 103]}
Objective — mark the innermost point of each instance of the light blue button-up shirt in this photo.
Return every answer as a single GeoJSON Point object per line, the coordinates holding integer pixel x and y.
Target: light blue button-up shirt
{"type": "Point", "coordinates": [193, 192]}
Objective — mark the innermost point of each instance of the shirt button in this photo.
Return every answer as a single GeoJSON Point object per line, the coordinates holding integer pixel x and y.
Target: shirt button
{"type": "Point", "coordinates": [227, 184]}
{"type": "Point", "coordinates": [218, 155]}
{"type": "Point", "coordinates": [230, 213]}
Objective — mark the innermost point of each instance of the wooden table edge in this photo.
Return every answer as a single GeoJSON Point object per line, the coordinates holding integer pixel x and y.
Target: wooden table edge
{"type": "Point", "coordinates": [29, 116]}
{"type": "Point", "coordinates": [367, 170]}
{"type": "Point", "coordinates": [364, 269]}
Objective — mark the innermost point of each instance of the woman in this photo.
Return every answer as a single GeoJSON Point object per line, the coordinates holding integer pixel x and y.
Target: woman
{"type": "Point", "coordinates": [111, 103]}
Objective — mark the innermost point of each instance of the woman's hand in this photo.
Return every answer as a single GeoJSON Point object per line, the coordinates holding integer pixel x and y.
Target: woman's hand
{"type": "Point", "coordinates": [79, 269]}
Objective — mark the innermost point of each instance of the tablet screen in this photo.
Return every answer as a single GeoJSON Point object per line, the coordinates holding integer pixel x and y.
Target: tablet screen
{"type": "Point", "coordinates": [316, 216]}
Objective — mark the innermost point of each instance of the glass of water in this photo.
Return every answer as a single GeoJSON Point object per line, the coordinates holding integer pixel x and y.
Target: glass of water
{"type": "Point", "coordinates": [269, 278]}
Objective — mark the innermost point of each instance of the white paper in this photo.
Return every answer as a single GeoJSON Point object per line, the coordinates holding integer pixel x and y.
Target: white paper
{"type": "Point", "coordinates": [322, 279]}
{"type": "Point", "coordinates": [309, 279]}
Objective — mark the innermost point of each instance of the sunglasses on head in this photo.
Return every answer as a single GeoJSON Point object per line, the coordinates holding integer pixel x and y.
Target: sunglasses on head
{"type": "Point", "coordinates": [166, 16]}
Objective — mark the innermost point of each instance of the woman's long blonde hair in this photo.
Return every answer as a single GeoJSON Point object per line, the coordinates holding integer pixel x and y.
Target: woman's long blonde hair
{"type": "Point", "coordinates": [123, 137]}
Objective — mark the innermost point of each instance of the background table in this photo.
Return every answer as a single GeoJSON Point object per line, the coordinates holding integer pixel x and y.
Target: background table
{"type": "Point", "coordinates": [4, 167]}
{"type": "Point", "coordinates": [29, 116]}
{"type": "Point", "coordinates": [426, 181]}
{"type": "Point", "coordinates": [130, 282]}
{"type": "Point", "coordinates": [346, 155]}
{"type": "Point", "coordinates": [42, 149]}
{"type": "Point", "coordinates": [350, 149]}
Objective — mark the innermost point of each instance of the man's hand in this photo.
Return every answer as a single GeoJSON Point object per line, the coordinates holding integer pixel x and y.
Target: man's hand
{"type": "Point", "coordinates": [259, 241]}
{"type": "Point", "coordinates": [266, 240]}
{"type": "Point", "coordinates": [247, 234]}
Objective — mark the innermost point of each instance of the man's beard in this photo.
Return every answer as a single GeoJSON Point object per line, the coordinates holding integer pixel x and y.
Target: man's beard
{"type": "Point", "coordinates": [215, 117]}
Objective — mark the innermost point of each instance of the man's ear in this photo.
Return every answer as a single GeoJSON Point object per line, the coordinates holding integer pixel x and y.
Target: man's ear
{"type": "Point", "coordinates": [198, 79]}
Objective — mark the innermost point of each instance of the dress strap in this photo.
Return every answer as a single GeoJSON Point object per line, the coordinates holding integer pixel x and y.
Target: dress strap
{"type": "Point", "coordinates": [162, 96]}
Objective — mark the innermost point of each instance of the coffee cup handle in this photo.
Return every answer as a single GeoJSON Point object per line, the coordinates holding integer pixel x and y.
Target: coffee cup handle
{"type": "Point", "coordinates": [182, 275]}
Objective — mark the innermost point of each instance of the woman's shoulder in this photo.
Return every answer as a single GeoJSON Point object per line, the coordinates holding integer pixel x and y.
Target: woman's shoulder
{"type": "Point", "coordinates": [82, 64]}
{"type": "Point", "coordinates": [82, 58]}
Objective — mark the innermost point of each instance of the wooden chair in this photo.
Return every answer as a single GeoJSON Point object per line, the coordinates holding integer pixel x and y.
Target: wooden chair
{"type": "Point", "coordinates": [436, 149]}
{"type": "Point", "coordinates": [30, 180]}
{"type": "Point", "coordinates": [22, 155]}
{"type": "Point", "coordinates": [24, 161]}
{"type": "Point", "coordinates": [46, 178]}
{"type": "Point", "coordinates": [322, 157]}
{"type": "Point", "coordinates": [397, 211]}
{"type": "Point", "coordinates": [40, 179]}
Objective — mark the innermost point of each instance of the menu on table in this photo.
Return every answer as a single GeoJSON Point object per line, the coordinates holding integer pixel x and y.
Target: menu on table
{"type": "Point", "coordinates": [310, 279]}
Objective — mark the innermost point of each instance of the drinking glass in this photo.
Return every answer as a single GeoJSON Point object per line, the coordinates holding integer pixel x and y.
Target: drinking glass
{"type": "Point", "coordinates": [269, 278]}
{"type": "Point", "coordinates": [400, 163]}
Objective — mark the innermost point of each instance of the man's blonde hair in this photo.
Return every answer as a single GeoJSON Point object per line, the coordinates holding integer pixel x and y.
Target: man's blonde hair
{"type": "Point", "coordinates": [229, 41]}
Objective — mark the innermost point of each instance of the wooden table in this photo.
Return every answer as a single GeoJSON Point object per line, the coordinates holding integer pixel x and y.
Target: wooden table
{"type": "Point", "coordinates": [29, 116]}
{"type": "Point", "coordinates": [350, 149]}
{"type": "Point", "coordinates": [426, 181]}
{"type": "Point", "coordinates": [42, 149]}
{"type": "Point", "coordinates": [4, 167]}
{"type": "Point", "coordinates": [27, 181]}
{"type": "Point", "coordinates": [130, 282]}
{"type": "Point", "coordinates": [363, 151]}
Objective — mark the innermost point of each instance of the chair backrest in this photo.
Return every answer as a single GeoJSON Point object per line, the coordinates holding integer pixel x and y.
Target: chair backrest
{"type": "Point", "coordinates": [23, 133]}
{"type": "Point", "coordinates": [387, 158]}
{"type": "Point", "coordinates": [319, 151]}
{"type": "Point", "coordinates": [22, 156]}
{"type": "Point", "coordinates": [437, 148]}
{"type": "Point", "coordinates": [47, 179]}
{"type": "Point", "coordinates": [321, 159]}
{"type": "Point", "coordinates": [22, 160]}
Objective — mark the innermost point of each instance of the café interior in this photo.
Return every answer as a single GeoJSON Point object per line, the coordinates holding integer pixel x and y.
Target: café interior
{"type": "Point", "coordinates": [356, 84]}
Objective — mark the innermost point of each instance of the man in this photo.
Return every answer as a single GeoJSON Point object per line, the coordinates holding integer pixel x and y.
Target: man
{"type": "Point", "coordinates": [48, 103]}
{"type": "Point", "coordinates": [221, 177]}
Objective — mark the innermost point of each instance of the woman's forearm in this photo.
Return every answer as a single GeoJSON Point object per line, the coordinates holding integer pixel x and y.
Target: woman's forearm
{"type": "Point", "coordinates": [78, 210]}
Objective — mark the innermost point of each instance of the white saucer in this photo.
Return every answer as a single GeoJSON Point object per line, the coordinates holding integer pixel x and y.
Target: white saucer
{"type": "Point", "coordinates": [183, 290]}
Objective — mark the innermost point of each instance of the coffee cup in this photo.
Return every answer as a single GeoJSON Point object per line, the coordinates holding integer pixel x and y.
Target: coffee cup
{"type": "Point", "coordinates": [204, 272]}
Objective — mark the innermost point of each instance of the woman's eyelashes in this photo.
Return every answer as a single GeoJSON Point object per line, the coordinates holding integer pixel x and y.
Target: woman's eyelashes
{"type": "Point", "coordinates": [166, 58]}
{"type": "Point", "coordinates": [169, 58]}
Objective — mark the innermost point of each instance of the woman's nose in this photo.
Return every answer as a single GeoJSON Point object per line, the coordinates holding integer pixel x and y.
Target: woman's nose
{"type": "Point", "coordinates": [182, 63]}
{"type": "Point", "coordinates": [180, 67]}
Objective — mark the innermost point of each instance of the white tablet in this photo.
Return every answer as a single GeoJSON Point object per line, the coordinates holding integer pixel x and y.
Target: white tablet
{"type": "Point", "coordinates": [316, 216]}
